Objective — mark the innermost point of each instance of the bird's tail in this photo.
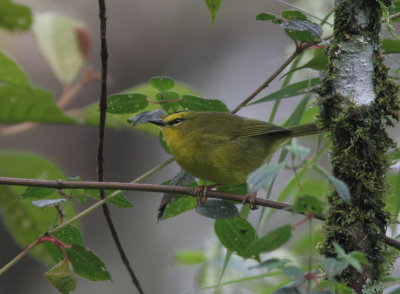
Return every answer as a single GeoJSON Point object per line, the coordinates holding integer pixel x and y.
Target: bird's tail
{"type": "Point", "coordinates": [305, 130]}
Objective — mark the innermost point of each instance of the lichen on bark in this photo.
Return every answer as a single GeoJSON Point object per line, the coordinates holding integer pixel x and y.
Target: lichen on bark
{"type": "Point", "coordinates": [357, 102]}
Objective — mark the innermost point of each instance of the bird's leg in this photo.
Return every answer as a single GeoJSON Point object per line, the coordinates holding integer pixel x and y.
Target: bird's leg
{"type": "Point", "coordinates": [201, 193]}
{"type": "Point", "coordinates": [252, 200]}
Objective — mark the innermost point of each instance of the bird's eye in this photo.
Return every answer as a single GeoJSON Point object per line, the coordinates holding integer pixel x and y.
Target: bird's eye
{"type": "Point", "coordinates": [176, 121]}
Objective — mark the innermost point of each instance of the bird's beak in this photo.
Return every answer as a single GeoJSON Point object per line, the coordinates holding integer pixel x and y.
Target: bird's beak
{"type": "Point", "coordinates": [157, 122]}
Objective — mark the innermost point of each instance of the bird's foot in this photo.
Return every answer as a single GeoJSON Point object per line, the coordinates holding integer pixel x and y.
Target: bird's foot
{"type": "Point", "coordinates": [201, 193]}
{"type": "Point", "coordinates": [252, 201]}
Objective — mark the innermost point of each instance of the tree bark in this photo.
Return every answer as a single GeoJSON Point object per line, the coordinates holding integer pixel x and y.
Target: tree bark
{"type": "Point", "coordinates": [357, 102]}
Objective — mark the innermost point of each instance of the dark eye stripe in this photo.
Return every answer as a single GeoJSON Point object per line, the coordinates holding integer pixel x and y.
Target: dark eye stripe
{"type": "Point", "coordinates": [175, 121]}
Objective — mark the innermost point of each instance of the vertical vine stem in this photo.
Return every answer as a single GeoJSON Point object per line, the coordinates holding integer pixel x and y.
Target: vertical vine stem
{"type": "Point", "coordinates": [100, 156]}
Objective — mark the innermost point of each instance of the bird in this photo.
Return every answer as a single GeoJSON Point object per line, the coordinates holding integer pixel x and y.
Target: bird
{"type": "Point", "coordinates": [222, 147]}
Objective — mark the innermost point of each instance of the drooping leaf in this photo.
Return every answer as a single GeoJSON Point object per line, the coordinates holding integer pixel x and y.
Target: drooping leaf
{"type": "Point", "coordinates": [15, 17]}
{"type": "Point", "coordinates": [272, 240]}
{"type": "Point", "coordinates": [189, 257]}
{"type": "Point", "coordinates": [68, 235]}
{"type": "Point", "coordinates": [302, 30]}
{"type": "Point", "coordinates": [87, 264]}
{"type": "Point", "coordinates": [162, 84]}
{"type": "Point", "coordinates": [291, 90]}
{"type": "Point", "coordinates": [341, 188]}
{"type": "Point", "coordinates": [173, 204]}
{"type": "Point", "coordinates": [179, 206]}
{"type": "Point", "coordinates": [194, 103]}
{"type": "Point", "coordinates": [58, 41]}
{"type": "Point", "coordinates": [213, 7]}
{"type": "Point", "coordinates": [24, 221]}
{"type": "Point", "coordinates": [126, 103]}
{"type": "Point", "coordinates": [217, 209]}
{"type": "Point", "coordinates": [236, 234]}
{"type": "Point", "coordinates": [262, 176]}
{"type": "Point", "coordinates": [62, 277]}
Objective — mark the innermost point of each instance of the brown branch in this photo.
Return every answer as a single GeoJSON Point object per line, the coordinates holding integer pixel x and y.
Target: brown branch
{"type": "Point", "coordinates": [100, 149]}
{"type": "Point", "coordinates": [60, 184]}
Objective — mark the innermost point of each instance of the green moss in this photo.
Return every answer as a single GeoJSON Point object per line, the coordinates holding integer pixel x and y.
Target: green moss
{"type": "Point", "coordinates": [359, 144]}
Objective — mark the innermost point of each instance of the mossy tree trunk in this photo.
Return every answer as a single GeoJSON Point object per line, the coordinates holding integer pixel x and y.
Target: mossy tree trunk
{"type": "Point", "coordinates": [357, 102]}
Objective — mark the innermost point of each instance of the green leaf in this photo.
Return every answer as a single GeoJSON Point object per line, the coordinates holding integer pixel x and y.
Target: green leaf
{"type": "Point", "coordinates": [189, 257]}
{"type": "Point", "coordinates": [19, 104]}
{"type": "Point", "coordinates": [62, 277]}
{"type": "Point", "coordinates": [11, 73]}
{"type": "Point", "coordinates": [195, 103]}
{"type": "Point", "coordinates": [90, 114]}
{"type": "Point", "coordinates": [394, 155]}
{"type": "Point", "coordinates": [296, 149]}
{"type": "Point", "coordinates": [87, 264]}
{"type": "Point", "coordinates": [24, 221]}
{"type": "Point", "coordinates": [240, 188]}
{"type": "Point", "coordinates": [302, 30]}
{"type": "Point", "coordinates": [145, 116]}
{"type": "Point", "coordinates": [217, 209]}
{"type": "Point", "coordinates": [213, 7]}
{"type": "Point", "coordinates": [118, 201]}
{"type": "Point", "coordinates": [236, 234]}
{"type": "Point", "coordinates": [292, 90]}
{"type": "Point", "coordinates": [293, 15]}
{"type": "Point", "coordinates": [50, 202]}
{"type": "Point", "coordinates": [267, 16]}
{"type": "Point", "coordinates": [19, 101]}
{"type": "Point", "coordinates": [173, 204]}
{"type": "Point", "coordinates": [272, 263]}
{"type": "Point", "coordinates": [179, 206]}
{"type": "Point", "coordinates": [272, 240]}
{"type": "Point", "coordinates": [68, 235]}
{"type": "Point", "coordinates": [318, 62]}
{"type": "Point", "coordinates": [38, 192]}
{"type": "Point", "coordinates": [390, 46]}
{"type": "Point", "coordinates": [15, 17]}
{"type": "Point", "coordinates": [58, 41]}
{"type": "Point", "coordinates": [126, 103]}
{"type": "Point", "coordinates": [293, 273]}
{"type": "Point", "coordinates": [297, 114]}
{"type": "Point", "coordinates": [308, 204]}
{"type": "Point", "coordinates": [340, 186]}
{"type": "Point", "coordinates": [262, 176]}
{"type": "Point", "coordinates": [287, 290]}
{"type": "Point", "coordinates": [162, 84]}
{"type": "Point", "coordinates": [333, 267]}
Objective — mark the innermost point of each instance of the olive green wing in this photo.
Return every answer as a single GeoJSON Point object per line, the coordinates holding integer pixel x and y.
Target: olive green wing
{"type": "Point", "coordinates": [252, 127]}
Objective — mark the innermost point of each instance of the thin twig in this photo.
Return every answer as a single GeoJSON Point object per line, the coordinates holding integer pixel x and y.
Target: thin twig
{"type": "Point", "coordinates": [298, 51]}
{"type": "Point", "coordinates": [100, 156]}
{"type": "Point", "coordinates": [57, 184]}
